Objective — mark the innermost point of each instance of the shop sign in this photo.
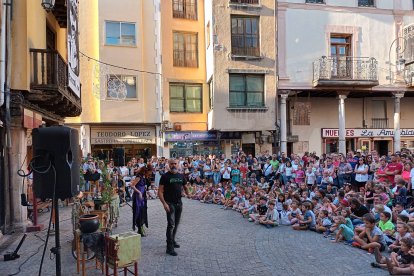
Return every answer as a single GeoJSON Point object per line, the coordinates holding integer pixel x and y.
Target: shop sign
{"type": "Point", "coordinates": [122, 135]}
{"type": "Point", "coordinates": [190, 136]}
{"type": "Point", "coordinates": [366, 132]}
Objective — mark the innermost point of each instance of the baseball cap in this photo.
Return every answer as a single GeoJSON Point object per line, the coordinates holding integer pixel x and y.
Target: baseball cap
{"type": "Point", "coordinates": [345, 203]}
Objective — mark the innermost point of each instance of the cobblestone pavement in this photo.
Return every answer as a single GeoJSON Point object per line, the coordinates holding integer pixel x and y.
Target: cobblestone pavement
{"type": "Point", "coordinates": [213, 242]}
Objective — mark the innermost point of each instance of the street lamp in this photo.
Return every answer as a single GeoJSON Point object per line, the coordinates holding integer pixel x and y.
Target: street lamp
{"type": "Point", "coordinates": [48, 5]}
{"type": "Point", "coordinates": [400, 63]}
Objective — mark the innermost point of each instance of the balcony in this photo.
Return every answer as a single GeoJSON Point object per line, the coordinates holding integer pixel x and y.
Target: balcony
{"type": "Point", "coordinates": [379, 122]}
{"type": "Point", "coordinates": [315, 1]}
{"type": "Point", "coordinates": [342, 71]}
{"type": "Point", "coordinates": [49, 84]}
{"type": "Point", "coordinates": [366, 3]}
{"type": "Point", "coordinates": [249, 5]}
{"type": "Point", "coordinates": [246, 2]}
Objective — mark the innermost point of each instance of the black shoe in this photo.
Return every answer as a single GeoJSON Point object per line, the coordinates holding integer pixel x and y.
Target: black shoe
{"type": "Point", "coordinates": [176, 245]}
{"type": "Point", "coordinates": [171, 252]}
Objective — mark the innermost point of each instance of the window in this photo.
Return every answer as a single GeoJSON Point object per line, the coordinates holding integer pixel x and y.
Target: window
{"type": "Point", "coordinates": [366, 3]}
{"type": "Point", "coordinates": [208, 34]}
{"type": "Point", "coordinates": [255, 2]}
{"type": "Point", "coordinates": [186, 98]}
{"type": "Point", "coordinates": [211, 93]}
{"type": "Point", "coordinates": [120, 33]}
{"type": "Point", "coordinates": [186, 9]}
{"type": "Point", "coordinates": [246, 90]}
{"type": "Point", "coordinates": [245, 36]}
{"type": "Point", "coordinates": [185, 50]}
{"type": "Point", "coordinates": [315, 1]}
{"type": "Point", "coordinates": [114, 81]}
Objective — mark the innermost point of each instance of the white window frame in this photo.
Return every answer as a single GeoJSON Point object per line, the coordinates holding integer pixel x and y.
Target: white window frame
{"type": "Point", "coordinates": [120, 34]}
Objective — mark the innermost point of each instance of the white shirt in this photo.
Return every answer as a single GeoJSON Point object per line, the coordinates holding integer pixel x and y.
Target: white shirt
{"type": "Point", "coordinates": [412, 178]}
{"type": "Point", "coordinates": [226, 172]}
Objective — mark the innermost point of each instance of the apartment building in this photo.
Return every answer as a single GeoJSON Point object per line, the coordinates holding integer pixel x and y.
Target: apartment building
{"type": "Point", "coordinates": [41, 74]}
{"type": "Point", "coordinates": [185, 93]}
{"type": "Point", "coordinates": [241, 73]}
{"type": "Point", "coordinates": [122, 106]}
{"type": "Point", "coordinates": [342, 80]}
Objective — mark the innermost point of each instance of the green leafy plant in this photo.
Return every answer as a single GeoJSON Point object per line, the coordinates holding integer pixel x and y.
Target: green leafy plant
{"type": "Point", "coordinates": [107, 185]}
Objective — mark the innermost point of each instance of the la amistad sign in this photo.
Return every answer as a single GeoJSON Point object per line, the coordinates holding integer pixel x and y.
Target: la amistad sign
{"type": "Point", "coordinates": [366, 132]}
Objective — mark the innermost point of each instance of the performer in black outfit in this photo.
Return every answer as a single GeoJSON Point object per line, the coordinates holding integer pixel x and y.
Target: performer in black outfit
{"type": "Point", "coordinates": [170, 191]}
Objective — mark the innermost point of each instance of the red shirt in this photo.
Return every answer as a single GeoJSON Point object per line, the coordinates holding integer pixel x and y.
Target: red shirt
{"type": "Point", "coordinates": [391, 167]}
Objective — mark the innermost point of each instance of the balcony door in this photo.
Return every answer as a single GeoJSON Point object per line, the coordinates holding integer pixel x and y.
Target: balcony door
{"type": "Point", "coordinates": [341, 56]}
{"type": "Point", "coordinates": [51, 47]}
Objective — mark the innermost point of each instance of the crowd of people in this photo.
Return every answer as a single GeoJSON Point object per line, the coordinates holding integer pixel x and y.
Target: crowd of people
{"type": "Point", "coordinates": [361, 199]}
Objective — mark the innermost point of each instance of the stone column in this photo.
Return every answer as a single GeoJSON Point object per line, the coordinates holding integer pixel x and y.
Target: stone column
{"type": "Point", "coordinates": [341, 123]}
{"type": "Point", "coordinates": [283, 122]}
{"type": "Point", "coordinates": [397, 135]}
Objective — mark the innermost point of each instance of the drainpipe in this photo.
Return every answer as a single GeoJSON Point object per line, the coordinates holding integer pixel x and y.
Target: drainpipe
{"type": "Point", "coordinates": [3, 53]}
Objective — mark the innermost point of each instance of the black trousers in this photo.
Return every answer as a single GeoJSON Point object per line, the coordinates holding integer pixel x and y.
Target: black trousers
{"type": "Point", "coordinates": [173, 220]}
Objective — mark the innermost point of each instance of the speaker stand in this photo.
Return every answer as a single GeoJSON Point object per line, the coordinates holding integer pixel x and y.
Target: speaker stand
{"type": "Point", "coordinates": [56, 250]}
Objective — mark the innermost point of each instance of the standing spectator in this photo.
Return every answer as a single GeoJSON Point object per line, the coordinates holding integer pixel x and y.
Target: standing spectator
{"type": "Point", "coordinates": [393, 168]}
{"type": "Point", "coordinates": [361, 174]}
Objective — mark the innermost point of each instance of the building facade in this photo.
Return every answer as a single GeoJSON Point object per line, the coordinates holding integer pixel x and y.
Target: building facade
{"type": "Point", "coordinates": [242, 73]}
{"type": "Point", "coordinates": [121, 61]}
{"type": "Point", "coordinates": [42, 87]}
{"type": "Point", "coordinates": [342, 82]}
{"type": "Point", "coordinates": [185, 92]}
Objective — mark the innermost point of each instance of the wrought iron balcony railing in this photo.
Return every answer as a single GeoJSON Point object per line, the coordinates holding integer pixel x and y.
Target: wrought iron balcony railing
{"type": "Point", "coordinates": [361, 71]}
{"type": "Point", "coordinates": [249, 2]}
{"type": "Point", "coordinates": [49, 83]}
{"type": "Point", "coordinates": [379, 122]}
{"type": "Point", "coordinates": [366, 3]}
{"type": "Point", "coordinates": [316, 1]}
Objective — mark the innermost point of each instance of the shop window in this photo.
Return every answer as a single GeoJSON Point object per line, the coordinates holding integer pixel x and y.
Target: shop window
{"type": "Point", "coordinates": [186, 98]}
{"type": "Point", "coordinates": [114, 82]}
{"type": "Point", "coordinates": [246, 90]}
{"type": "Point", "coordinates": [120, 33]}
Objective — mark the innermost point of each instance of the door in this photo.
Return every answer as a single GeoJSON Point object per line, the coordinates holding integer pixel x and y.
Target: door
{"type": "Point", "coordinates": [50, 62]}
{"type": "Point", "coordinates": [341, 56]}
{"type": "Point", "coordinates": [249, 149]}
{"type": "Point", "coordinates": [381, 147]}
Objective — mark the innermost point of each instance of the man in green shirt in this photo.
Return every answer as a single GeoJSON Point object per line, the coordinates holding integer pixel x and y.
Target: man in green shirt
{"type": "Point", "coordinates": [274, 162]}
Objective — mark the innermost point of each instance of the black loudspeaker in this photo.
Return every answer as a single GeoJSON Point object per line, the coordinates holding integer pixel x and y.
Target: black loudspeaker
{"type": "Point", "coordinates": [119, 157]}
{"type": "Point", "coordinates": [57, 146]}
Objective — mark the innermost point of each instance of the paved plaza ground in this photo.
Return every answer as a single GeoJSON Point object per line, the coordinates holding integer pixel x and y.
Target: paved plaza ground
{"type": "Point", "coordinates": [213, 242]}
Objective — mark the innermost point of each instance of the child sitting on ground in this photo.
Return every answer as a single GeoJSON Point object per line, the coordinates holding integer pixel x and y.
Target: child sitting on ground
{"type": "Point", "coordinates": [371, 237]}
{"type": "Point", "coordinates": [402, 232]}
{"type": "Point", "coordinates": [294, 212]}
{"type": "Point", "coordinates": [323, 223]}
{"type": "Point", "coordinates": [401, 259]}
{"type": "Point", "coordinates": [272, 216]}
{"type": "Point", "coordinates": [345, 229]}
{"type": "Point", "coordinates": [284, 215]}
{"type": "Point", "coordinates": [260, 210]}
{"type": "Point", "coordinates": [308, 220]}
